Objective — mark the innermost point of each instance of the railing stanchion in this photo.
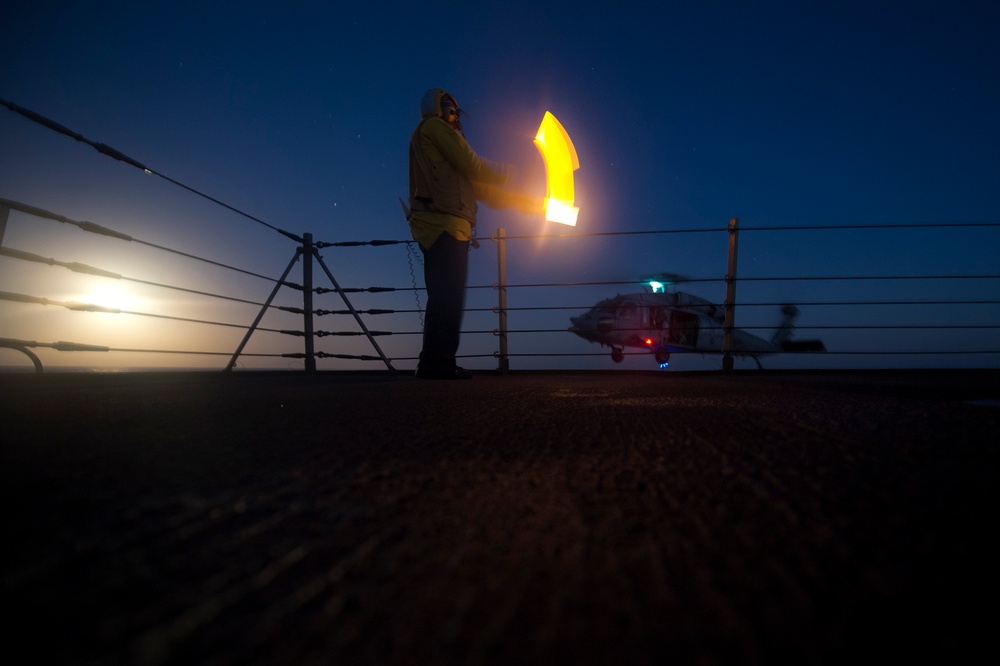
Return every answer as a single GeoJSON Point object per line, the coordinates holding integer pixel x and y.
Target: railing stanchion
{"type": "Point", "coordinates": [307, 301]}
{"type": "Point", "coordinates": [730, 305]}
{"type": "Point", "coordinates": [504, 362]}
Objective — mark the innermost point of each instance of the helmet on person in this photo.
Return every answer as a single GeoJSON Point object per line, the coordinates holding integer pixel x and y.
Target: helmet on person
{"type": "Point", "coordinates": [437, 102]}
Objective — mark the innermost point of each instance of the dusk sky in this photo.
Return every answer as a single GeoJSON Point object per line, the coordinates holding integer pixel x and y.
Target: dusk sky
{"type": "Point", "coordinates": [683, 114]}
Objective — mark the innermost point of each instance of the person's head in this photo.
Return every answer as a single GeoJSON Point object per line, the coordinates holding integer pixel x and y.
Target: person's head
{"type": "Point", "coordinates": [437, 102]}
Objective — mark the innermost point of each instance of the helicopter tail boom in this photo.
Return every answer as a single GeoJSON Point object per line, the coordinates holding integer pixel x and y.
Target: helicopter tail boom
{"type": "Point", "coordinates": [803, 346]}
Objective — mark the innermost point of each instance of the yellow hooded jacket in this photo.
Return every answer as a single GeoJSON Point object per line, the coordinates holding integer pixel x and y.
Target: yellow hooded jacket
{"type": "Point", "coordinates": [446, 179]}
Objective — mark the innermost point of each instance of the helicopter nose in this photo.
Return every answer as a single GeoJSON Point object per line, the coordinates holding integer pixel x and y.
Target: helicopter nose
{"type": "Point", "coordinates": [583, 326]}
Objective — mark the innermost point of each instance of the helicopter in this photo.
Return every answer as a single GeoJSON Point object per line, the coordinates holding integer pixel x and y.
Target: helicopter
{"type": "Point", "coordinates": [665, 321]}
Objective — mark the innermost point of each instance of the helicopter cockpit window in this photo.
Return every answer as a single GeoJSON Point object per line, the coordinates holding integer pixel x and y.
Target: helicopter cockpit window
{"type": "Point", "coordinates": [606, 308]}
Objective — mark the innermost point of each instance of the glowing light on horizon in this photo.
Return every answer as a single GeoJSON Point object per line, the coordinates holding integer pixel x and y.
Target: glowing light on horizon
{"type": "Point", "coordinates": [561, 161]}
{"type": "Point", "coordinates": [110, 298]}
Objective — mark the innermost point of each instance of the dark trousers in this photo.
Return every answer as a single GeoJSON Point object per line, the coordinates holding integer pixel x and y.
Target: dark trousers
{"type": "Point", "coordinates": [446, 266]}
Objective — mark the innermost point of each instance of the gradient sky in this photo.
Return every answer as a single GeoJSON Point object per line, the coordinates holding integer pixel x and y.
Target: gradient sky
{"type": "Point", "coordinates": [684, 116]}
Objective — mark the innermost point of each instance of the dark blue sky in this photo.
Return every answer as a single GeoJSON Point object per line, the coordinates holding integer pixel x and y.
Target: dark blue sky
{"type": "Point", "coordinates": [683, 115]}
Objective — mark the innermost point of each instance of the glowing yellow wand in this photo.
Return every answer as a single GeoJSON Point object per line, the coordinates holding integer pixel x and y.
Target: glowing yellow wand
{"type": "Point", "coordinates": [561, 161]}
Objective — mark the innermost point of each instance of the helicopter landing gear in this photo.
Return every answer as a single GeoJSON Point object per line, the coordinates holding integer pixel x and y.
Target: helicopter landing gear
{"type": "Point", "coordinates": [617, 355]}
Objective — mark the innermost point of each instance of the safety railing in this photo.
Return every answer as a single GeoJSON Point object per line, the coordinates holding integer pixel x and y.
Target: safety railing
{"type": "Point", "coordinates": [865, 308]}
{"type": "Point", "coordinates": [945, 317]}
{"type": "Point", "coordinates": [526, 320]}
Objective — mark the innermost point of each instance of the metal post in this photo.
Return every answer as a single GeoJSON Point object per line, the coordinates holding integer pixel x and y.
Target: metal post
{"type": "Point", "coordinates": [727, 327]}
{"type": "Point", "coordinates": [307, 300]}
{"type": "Point", "coordinates": [307, 312]}
{"type": "Point", "coordinates": [504, 366]}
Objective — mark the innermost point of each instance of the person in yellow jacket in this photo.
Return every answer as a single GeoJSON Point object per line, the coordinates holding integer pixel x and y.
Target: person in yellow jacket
{"type": "Point", "coordinates": [447, 178]}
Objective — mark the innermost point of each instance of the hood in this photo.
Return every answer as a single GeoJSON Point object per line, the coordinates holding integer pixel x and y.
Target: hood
{"type": "Point", "coordinates": [430, 103]}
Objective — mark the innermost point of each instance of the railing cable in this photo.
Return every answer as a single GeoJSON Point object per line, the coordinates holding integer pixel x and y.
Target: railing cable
{"type": "Point", "coordinates": [105, 149]}
{"type": "Point", "coordinates": [806, 227]}
{"type": "Point", "coordinates": [718, 305]}
{"type": "Point", "coordinates": [91, 270]}
{"type": "Point", "coordinates": [93, 307]}
{"type": "Point", "coordinates": [905, 225]}
{"type": "Point", "coordinates": [92, 227]}
{"type": "Point", "coordinates": [63, 345]}
{"type": "Point", "coordinates": [648, 232]}
{"type": "Point", "coordinates": [743, 279]}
